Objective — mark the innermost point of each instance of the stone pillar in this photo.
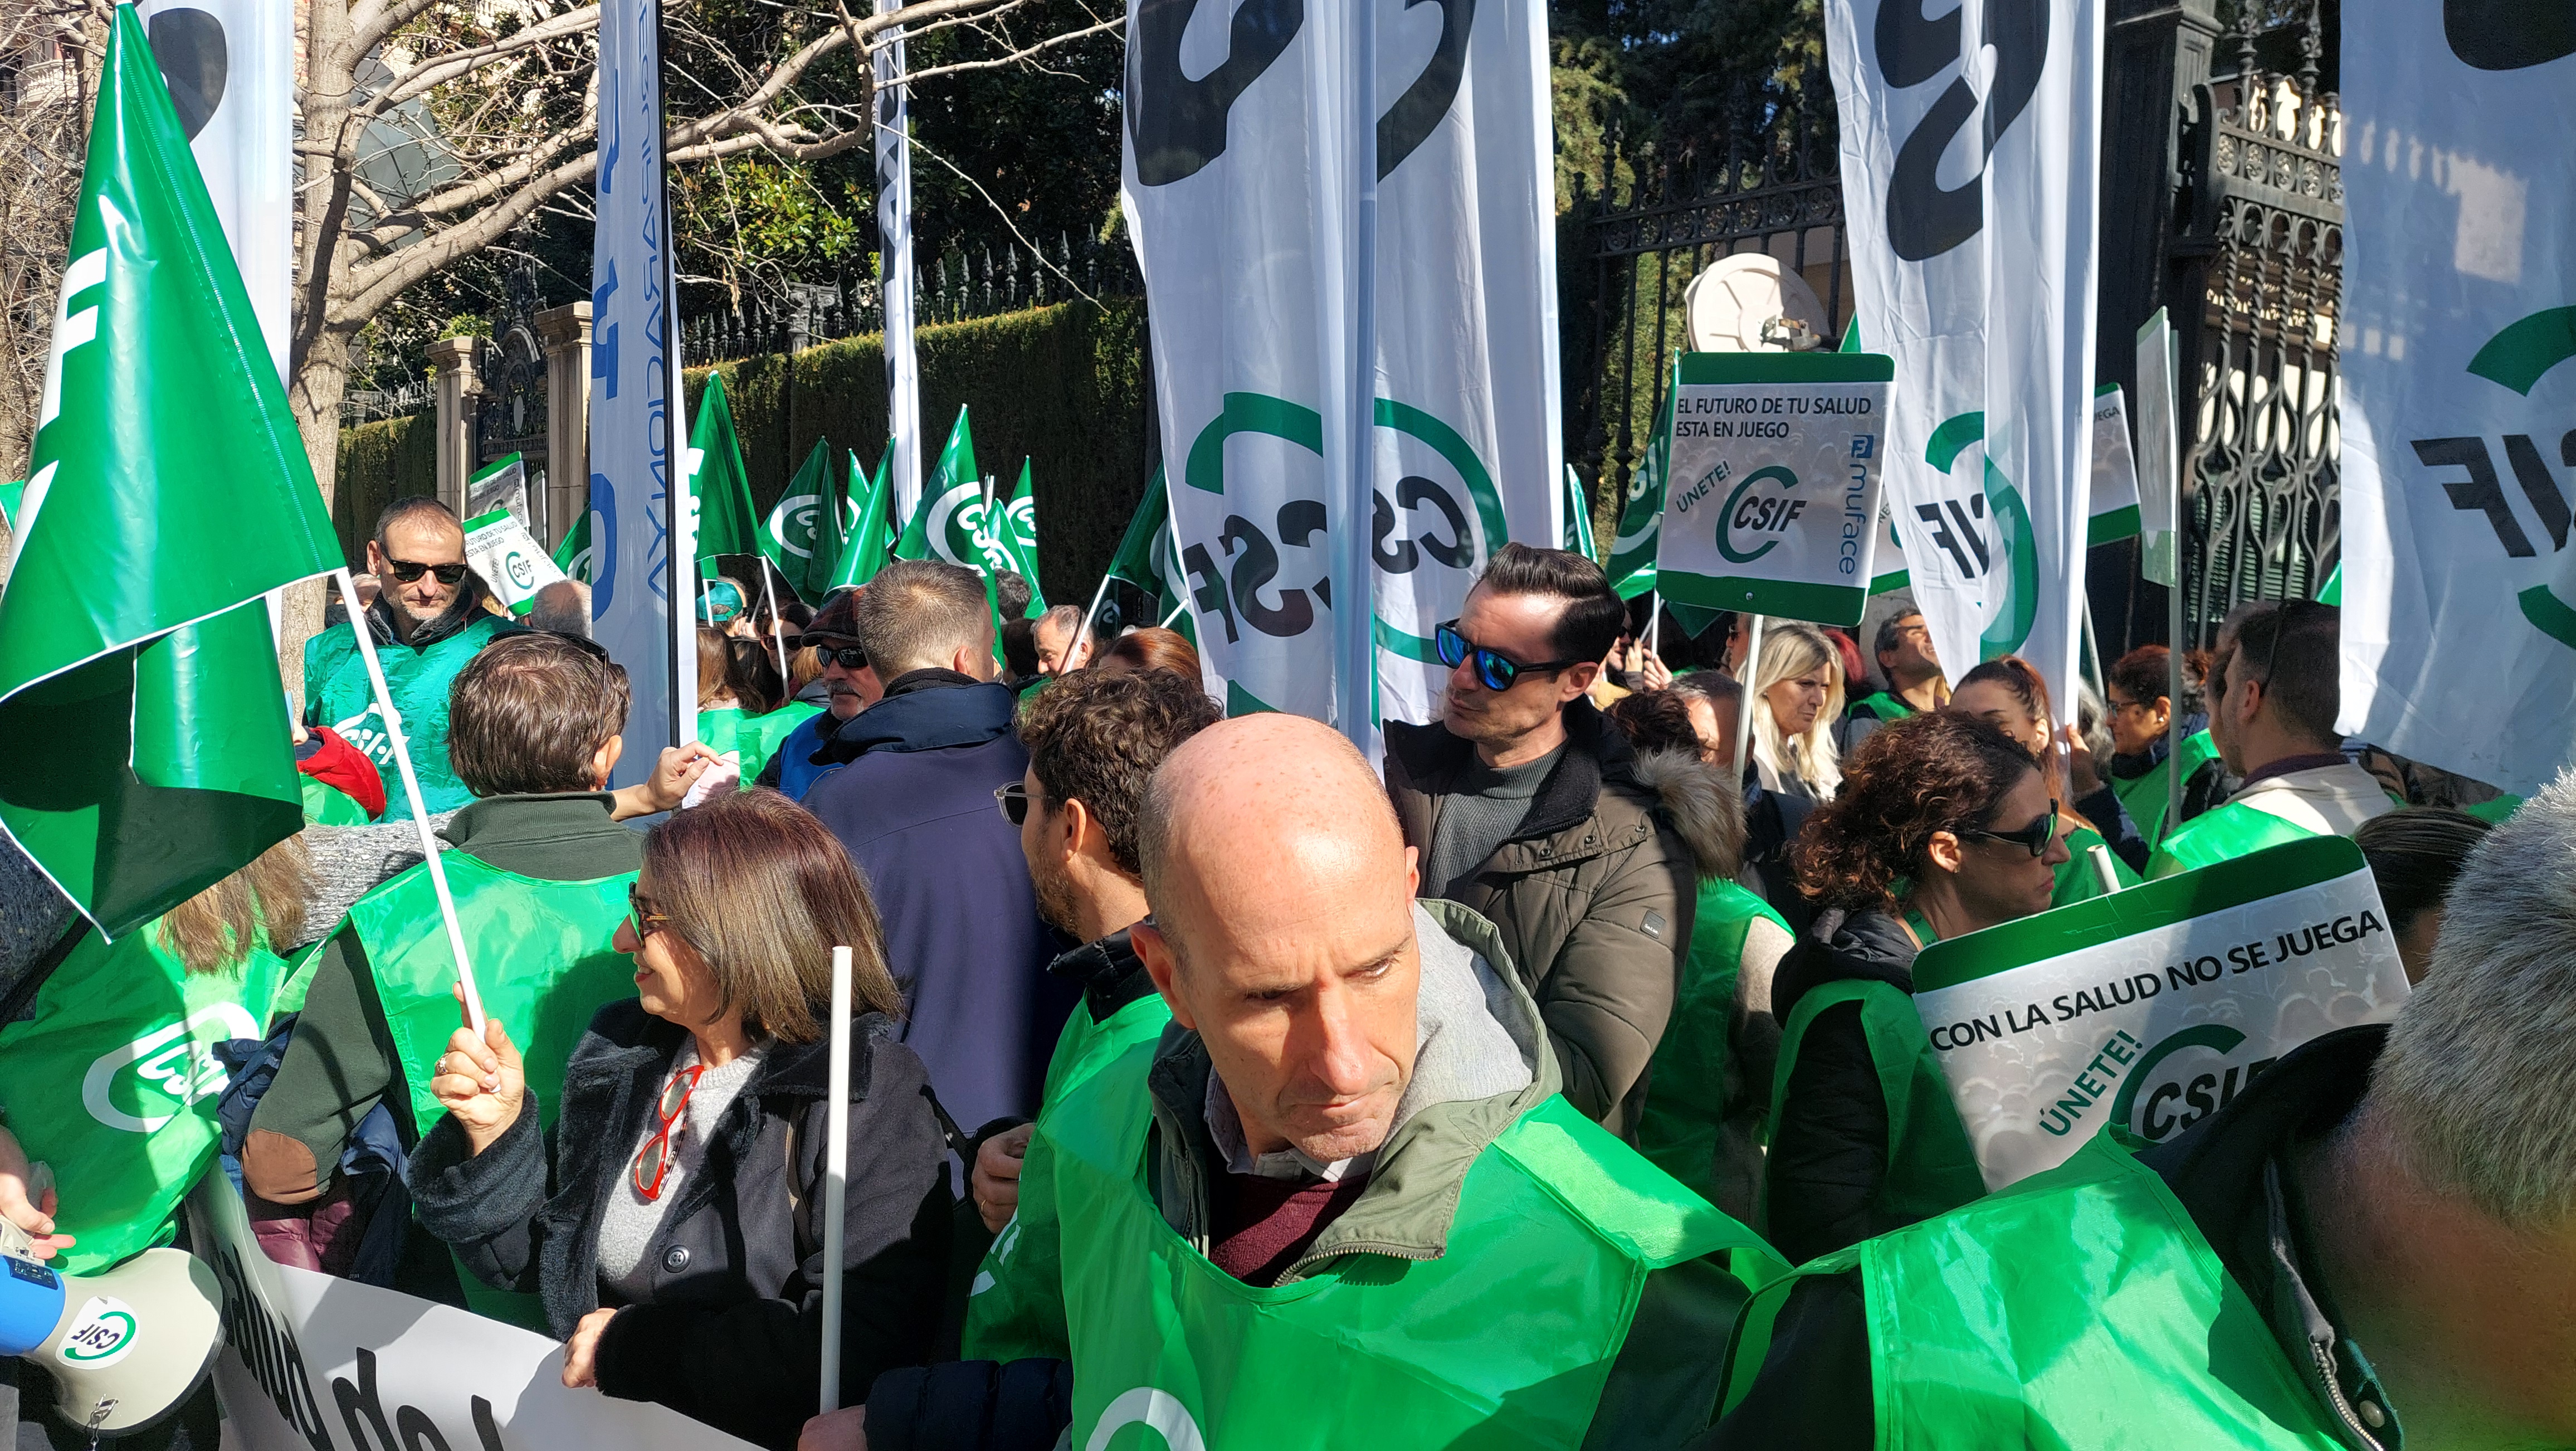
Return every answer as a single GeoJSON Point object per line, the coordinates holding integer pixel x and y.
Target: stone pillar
{"type": "Point", "coordinates": [453, 362]}
{"type": "Point", "coordinates": [564, 333]}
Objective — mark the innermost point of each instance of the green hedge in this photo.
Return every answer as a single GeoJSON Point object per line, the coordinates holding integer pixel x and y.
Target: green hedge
{"type": "Point", "coordinates": [1063, 387]}
{"type": "Point", "coordinates": [380, 462]}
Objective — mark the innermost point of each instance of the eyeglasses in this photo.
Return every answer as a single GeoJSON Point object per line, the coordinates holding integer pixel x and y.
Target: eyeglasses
{"type": "Point", "coordinates": [1494, 671]}
{"type": "Point", "coordinates": [1014, 801]}
{"type": "Point", "coordinates": [644, 922]}
{"type": "Point", "coordinates": [848, 657]}
{"type": "Point", "coordinates": [653, 1161]}
{"type": "Point", "coordinates": [2033, 838]}
{"type": "Point", "coordinates": [407, 571]}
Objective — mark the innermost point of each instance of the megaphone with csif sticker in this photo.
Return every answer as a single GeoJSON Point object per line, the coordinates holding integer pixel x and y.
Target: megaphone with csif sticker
{"type": "Point", "coordinates": [124, 1347]}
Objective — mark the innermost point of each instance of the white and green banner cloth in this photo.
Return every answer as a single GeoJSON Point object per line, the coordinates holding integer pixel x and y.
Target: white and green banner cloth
{"type": "Point", "coordinates": [1641, 512]}
{"type": "Point", "coordinates": [1970, 161]}
{"type": "Point", "coordinates": [2159, 454]}
{"type": "Point", "coordinates": [2115, 470]}
{"type": "Point", "coordinates": [2460, 290]}
{"type": "Point", "coordinates": [1243, 167]}
{"type": "Point", "coordinates": [509, 559]}
{"type": "Point", "coordinates": [2148, 1009]}
{"type": "Point", "coordinates": [1774, 490]}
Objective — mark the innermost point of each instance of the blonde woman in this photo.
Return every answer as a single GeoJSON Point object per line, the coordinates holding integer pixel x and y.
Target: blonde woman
{"type": "Point", "coordinates": [1797, 697]}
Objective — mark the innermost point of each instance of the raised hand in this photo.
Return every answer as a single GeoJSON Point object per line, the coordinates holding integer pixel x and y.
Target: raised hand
{"type": "Point", "coordinates": [481, 1082]}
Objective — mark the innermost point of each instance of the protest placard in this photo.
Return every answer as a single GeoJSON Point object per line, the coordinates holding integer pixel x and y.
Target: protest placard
{"type": "Point", "coordinates": [509, 560]}
{"type": "Point", "coordinates": [2115, 470]}
{"type": "Point", "coordinates": [2150, 1008]}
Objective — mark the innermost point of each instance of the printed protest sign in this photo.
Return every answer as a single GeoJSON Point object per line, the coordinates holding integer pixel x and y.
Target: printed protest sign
{"type": "Point", "coordinates": [2115, 470]}
{"type": "Point", "coordinates": [1772, 504]}
{"type": "Point", "coordinates": [2150, 1008]}
{"type": "Point", "coordinates": [509, 559]}
{"type": "Point", "coordinates": [315, 1363]}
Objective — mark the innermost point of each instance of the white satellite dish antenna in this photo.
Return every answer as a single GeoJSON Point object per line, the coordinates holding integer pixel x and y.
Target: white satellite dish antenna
{"type": "Point", "coordinates": [1747, 302]}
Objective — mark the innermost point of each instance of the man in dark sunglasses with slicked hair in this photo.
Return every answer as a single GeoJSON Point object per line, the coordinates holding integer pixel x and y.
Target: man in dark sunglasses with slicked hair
{"type": "Point", "coordinates": [1522, 803]}
{"type": "Point", "coordinates": [428, 620]}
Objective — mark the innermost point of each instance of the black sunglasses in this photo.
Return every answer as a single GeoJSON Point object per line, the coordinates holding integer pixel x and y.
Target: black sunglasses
{"type": "Point", "coordinates": [1014, 801]}
{"type": "Point", "coordinates": [848, 657]}
{"type": "Point", "coordinates": [406, 571]}
{"type": "Point", "coordinates": [2033, 838]}
{"type": "Point", "coordinates": [1494, 671]}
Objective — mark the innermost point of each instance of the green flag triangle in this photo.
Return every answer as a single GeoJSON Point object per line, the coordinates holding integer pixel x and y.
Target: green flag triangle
{"type": "Point", "coordinates": [872, 529]}
{"type": "Point", "coordinates": [573, 555]}
{"type": "Point", "coordinates": [132, 640]}
{"type": "Point", "coordinates": [943, 526]}
{"type": "Point", "coordinates": [1145, 559]}
{"type": "Point", "coordinates": [1012, 525]}
{"type": "Point", "coordinates": [719, 486]}
{"type": "Point", "coordinates": [1578, 516]}
{"type": "Point", "coordinates": [802, 536]}
{"type": "Point", "coordinates": [1641, 522]}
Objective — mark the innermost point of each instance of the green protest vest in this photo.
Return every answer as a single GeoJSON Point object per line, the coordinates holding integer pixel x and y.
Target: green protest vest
{"type": "Point", "coordinates": [112, 1080]}
{"type": "Point", "coordinates": [760, 736]}
{"type": "Point", "coordinates": [2080, 1307]}
{"type": "Point", "coordinates": [2147, 797]}
{"type": "Point", "coordinates": [2076, 879]}
{"type": "Point", "coordinates": [720, 730]}
{"type": "Point", "coordinates": [1931, 1166]}
{"type": "Point", "coordinates": [1887, 705]}
{"type": "Point", "coordinates": [1686, 1087]}
{"type": "Point", "coordinates": [1505, 1340]}
{"type": "Point", "coordinates": [1015, 1308]}
{"type": "Point", "coordinates": [339, 696]}
{"type": "Point", "coordinates": [326, 805]}
{"type": "Point", "coordinates": [2222, 834]}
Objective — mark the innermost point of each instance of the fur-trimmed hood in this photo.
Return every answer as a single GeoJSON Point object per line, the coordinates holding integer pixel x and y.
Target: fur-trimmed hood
{"type": "Point", "coordinates": [1701, 803]}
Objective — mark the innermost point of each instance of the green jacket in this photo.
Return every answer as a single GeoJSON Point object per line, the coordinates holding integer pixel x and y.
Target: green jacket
{"type": "Point", "coordinates": [418, 672]}
{"type": "Point", "coordinates": [1662, 1385]}
{"type": "Point", "coordinates": [342, 1061]}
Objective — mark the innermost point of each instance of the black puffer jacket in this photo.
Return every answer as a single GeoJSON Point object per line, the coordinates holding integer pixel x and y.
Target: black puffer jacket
{"type": "Point", "coordinates": [732, 1332]}
{"type": "Point", "coordinates": [1829, 1149]}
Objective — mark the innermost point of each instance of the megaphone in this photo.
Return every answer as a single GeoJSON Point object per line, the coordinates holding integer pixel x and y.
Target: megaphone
{"type": "Point", "coordinates": [125, 1346]}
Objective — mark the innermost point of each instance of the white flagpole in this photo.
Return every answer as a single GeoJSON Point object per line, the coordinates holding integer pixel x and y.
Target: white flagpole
{"type": "Point", "coordinates": [1093, 613]}
{"type": "Point", "coordinates": [1655, 626]}
{"type": "Point", "coordinates": [1175, 614]}
{"type": "Point", "coordinates": [411, 792]}
{"type": "Point", "coordinates": [1744, 701]}
{"type": "Point", "coordinates": [769, 591]}
{"type": "Point", "coordinates": [836, 1174]}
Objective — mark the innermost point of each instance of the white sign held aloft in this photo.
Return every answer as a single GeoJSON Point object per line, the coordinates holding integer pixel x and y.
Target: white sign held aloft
{"type": "Point", "coordinates": [509, 560]}
{"type": "Point", "coordinates": [2115, 470]}
{"type": "Point", "coordinates": [2149, 1009]}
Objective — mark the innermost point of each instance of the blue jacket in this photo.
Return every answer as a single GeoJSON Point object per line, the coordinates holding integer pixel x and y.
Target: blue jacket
{"type": "Point", "coordinates": [914, 806]}
{"type": "Point", "coordinates": [794, 759]}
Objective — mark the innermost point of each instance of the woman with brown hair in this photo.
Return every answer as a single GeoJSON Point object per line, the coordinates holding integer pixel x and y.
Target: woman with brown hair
{"type": "Point", "coordinates": [1943, 826]}
{"type": "Point", "coordinates": [672, 1222]}
{"type": "Point", "coordinates": [2008, 694]}
{"type": "Point", "coordinates": [1151, 648]}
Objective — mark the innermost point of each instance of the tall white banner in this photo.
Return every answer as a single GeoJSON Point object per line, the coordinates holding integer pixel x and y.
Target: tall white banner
{"type": "Point", "coordinates": [2460, 288]}
{"type": "Point", "coordinates": [895, 274]}
{"type": "Point", "coordinates": [1970, 147]}
{"type": "Point", "coordinates": [636, 532]}
{"type": "Point", "coordinates": [230, 65]}
{"type": "Point", "coordinates": [1240, 194]}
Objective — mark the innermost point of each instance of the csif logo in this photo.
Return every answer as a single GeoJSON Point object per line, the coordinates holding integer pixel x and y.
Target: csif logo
{"type": "Point", "coordinates": [1748, 513]}
{"type": "Point", "coordinates": [2517, 357]}
{"type": "Point", "coordinates": [102, 1334]}
{"type": "Point", "coordinates": [1158, 1411]}
{"type": "Point", "coordinates": [1957, 528]}
{"type": "Point", "coordinates": [2184, 1078]}
{"type": "Point", "coordinates": [171, 1068]}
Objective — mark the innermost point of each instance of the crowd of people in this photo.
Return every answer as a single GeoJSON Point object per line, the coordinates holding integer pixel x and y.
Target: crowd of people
{"type": "Point", "coordinates": [1486, 1092]}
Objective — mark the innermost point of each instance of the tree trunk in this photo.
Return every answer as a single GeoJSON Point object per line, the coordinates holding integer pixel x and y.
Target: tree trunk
{"type": "Point", "coordinates": [321, 381]}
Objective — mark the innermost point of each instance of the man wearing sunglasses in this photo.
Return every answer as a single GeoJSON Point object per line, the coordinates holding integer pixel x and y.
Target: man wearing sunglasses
{"type": "Point", "coordinates": [1527, 807]}
{"type": "Point", "coordinates": [428, 620]}
{"type": "Point", "coordinates": [2273, 698]}
{"type": "Point", "coordinates": [853, 687]}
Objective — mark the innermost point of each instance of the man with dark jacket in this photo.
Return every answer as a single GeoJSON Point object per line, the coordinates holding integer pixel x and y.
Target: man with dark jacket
{"type": "Point", "coordinates": [910, 794]}
{"type": "Point", "coordinates": [2373, 1245]}
{"type": "Point", "coordinates": [1524, 806]}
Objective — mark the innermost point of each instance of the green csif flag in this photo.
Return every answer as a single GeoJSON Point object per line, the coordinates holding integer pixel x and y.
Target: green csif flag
{"type": "Point", "coordinates": [1012, 528]}
{"type": "Point", "coordinates": [719, 487]}
{"type": "Point", "coordinates": [1578, 516]}
{"type": "Point", "coordinates": [133, 641]}
{"type": "Point", "coordinates": [943, 525]}
{"type": "Point", "coordinates": [1146, 559]}
{"type": "Point", "coordinates": [802, 536]}
{"type": "Point", "coordinates": [1641, 521]}
{"type": "Point", "coordinates": [573, 555]}
{"type": "Point", "coordinates": [871, 506]}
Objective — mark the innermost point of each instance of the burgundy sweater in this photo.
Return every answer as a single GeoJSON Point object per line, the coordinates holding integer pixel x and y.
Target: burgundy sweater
{"type": "Point", "coordinates": [1260, 1226]}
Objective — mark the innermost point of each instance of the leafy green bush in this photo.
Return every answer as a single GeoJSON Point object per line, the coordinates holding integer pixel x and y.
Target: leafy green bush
{"type": "Point", "coordinates": [380, 462]}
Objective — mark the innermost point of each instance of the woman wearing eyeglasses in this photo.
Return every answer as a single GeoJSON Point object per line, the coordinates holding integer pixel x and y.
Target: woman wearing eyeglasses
{"type": "Point", "coordinates": [671, 1219]}
{"type": "Point", "coordinates": [2008, 693]}
{"type": "Point", "coordinates": [1943, 826]}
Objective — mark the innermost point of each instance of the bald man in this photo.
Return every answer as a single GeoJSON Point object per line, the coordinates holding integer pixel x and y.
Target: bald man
{"type": "Point", "coordinates": [1343, 1187]}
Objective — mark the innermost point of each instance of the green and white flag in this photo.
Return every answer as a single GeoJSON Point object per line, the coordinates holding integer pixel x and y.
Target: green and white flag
{"type": "Point", "coordinates": [1012, 528]}
{"type": "Point", "coordinates": [1578, 516]}
{"type": "Point", "coordinates": [719, 486]}
{"type": "Point", "coordinates": [573, 555]}
{"type": "Point", "coordinates": [2148, 1009]}
{"type": "Point", "coordinates": [1632, 553]}
{"type": "Point", "coordinates": [2159, 495]}
{"type": "Point", "coordinates": [133, 640]}
{"type": "Point", "coordinates": [2115, 470]}
{"type": "Point", "coordinates": [952, 502]}
{"type": "Point", "coordinates": [870, 509]}
{"type": "Point", "coordinates": [1146, 560]}
{"type": "Point", "coordinates": [802, 536]}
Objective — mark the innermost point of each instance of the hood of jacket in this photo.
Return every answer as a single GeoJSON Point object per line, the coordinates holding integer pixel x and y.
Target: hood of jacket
{"type": "Point", "coordinates": [1702, 805]}
{"type": "Point", "coordinates": [1451, 1111]}
{"type": "Point", "coordinates": [1843, 946]}
{"type": "Point", "coordinates": [931, 717]}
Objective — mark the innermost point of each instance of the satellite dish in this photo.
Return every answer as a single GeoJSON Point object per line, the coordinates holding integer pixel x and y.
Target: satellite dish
{"type": "Point", "coordinates": [1748, 303]}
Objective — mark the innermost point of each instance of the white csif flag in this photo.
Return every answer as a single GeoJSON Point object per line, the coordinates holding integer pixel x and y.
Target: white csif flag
{"type": "Point", "coordinates": [1240, 190]}
{"type": "Point", "coordinates": [2459, 583]}
{"type": "Point", "coordinates": [1970, 145]}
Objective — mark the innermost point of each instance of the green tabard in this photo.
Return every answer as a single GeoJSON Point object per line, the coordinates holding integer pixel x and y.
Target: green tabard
{"type": "Point", "coordinates": [760, 736]}
{"type": "Point", "coordinates": [2147, 797]}
{"type": "Point", "coordinates": [720, 729]}
{"type": "Point", "coordinates": [339, 696]}
{"type": "Point", "coordinates": [2080, 1307]}
{"type": "Point", "coordinates": [1557, 1227]}
{"type": "Point", "coordinates": [112, 1080]}
{"type": "Point", "coordinates": [327, 805]}
{"type": "Point", "coordinates": [2221, 834]}
{"type": "Point", "coordinates": [1931, 1166]}
{"type": "Point", "coordinates": [1016, 1307]}
{"type": "Point", "coordinates": [1686, 1087]}
{"type": "Point", "coordinates": [1886, 705]}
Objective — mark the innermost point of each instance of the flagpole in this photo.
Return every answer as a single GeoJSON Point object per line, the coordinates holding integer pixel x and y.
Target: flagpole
{"type": "Point", "coordinates": [359, 627]}
{"type": "Point", "coordinates": [1355, 572]}
{"type": "Point", "coordinates": [777, 637]}
{"type": "Point", "coordinates": [1093, 613]}
{"type": "Point", "coordinates": [1175, 614]}
{"type": "Point", "coordinates": [836, 1174]}
{"type": "Point", "coordinates": [1655, 625]}
{"type": "Point", "coordinates": [1744, 701]}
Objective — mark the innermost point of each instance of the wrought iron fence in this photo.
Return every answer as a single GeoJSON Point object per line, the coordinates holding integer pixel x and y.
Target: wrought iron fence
{"type": "Point", "coordinates": [961, 283]}
{"type": "Point", "coordinates": [366, 405]}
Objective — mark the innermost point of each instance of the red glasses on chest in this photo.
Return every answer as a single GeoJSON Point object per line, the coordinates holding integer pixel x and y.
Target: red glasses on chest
{"type": "Point", "coordinates": [653, 1161]}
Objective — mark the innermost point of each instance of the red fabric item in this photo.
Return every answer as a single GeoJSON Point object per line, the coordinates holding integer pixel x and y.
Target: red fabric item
{"type": "Point", "coordinates": [1855, 674]}
{"type": "Point", "coordinates": [1262, 1225]}
{"type": "Point", "coordinates": [322, 1236]}
{"type": "Point", "coordinates": [344, 768]}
